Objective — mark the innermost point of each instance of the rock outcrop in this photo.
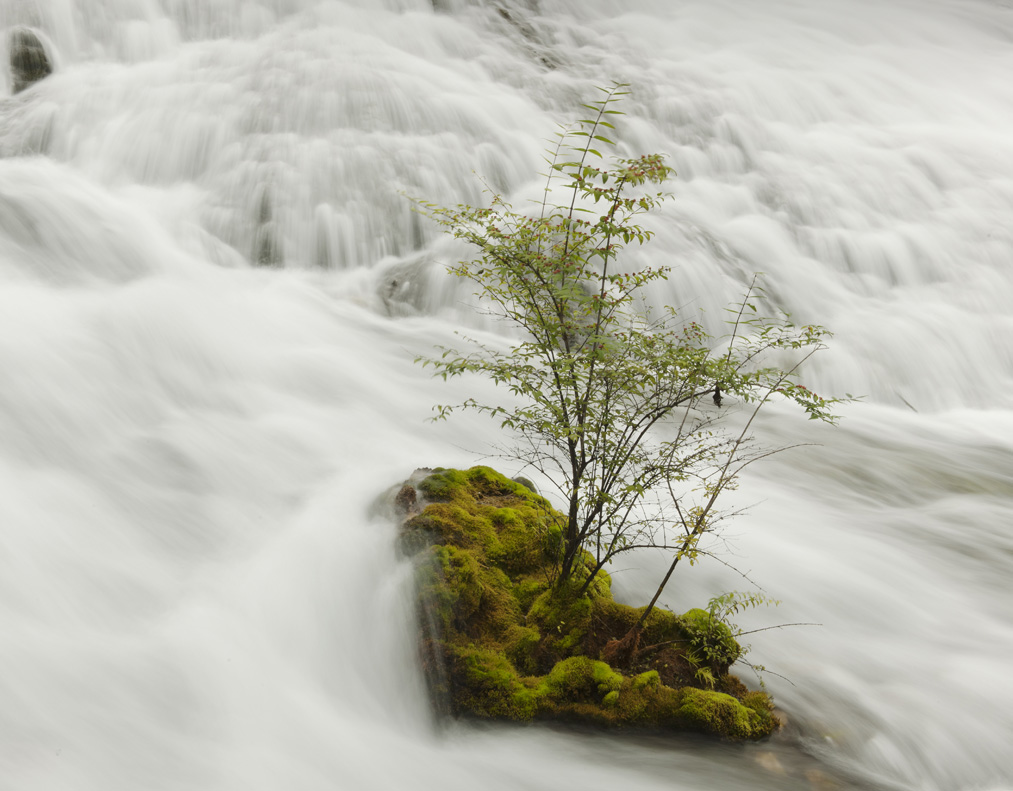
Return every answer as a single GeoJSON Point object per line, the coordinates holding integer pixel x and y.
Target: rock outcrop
{"type": "Point", "coordinates": [29, 60]}
{"type": "Point", "coordinates": [499, 641]}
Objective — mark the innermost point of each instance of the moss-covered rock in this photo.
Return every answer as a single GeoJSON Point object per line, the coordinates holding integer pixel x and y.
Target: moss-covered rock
{"type": "Point", "coordinates": [486, 684]}
{"type": "Point", "coordinates": [582, 678]}
{"type": "Point", "coordinates": [647, 680]}
{"type": "Point", "coordinates": [720, 714]}
{"type": "Point", "coordinates": [710, 640]}
{"type": "Point", "coordinates": [498, 641]}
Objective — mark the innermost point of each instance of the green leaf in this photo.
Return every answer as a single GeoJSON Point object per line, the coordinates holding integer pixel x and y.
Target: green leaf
{"type": "Point", "coordinates": [610, 399]}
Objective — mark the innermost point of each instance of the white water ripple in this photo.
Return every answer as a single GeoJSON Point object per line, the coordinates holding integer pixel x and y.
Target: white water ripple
{"type": "Point", "coordinates": [212, 289]}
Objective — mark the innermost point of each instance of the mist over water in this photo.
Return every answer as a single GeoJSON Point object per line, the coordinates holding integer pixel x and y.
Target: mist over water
{"type": "Point", "coordinates": [212, 288]}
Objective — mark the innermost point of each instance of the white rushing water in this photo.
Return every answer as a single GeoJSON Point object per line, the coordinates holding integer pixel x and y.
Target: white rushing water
{"type": "Point", "coordinates": [195, 592]}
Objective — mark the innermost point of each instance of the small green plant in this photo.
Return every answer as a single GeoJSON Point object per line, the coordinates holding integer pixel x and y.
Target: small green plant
{"type": "Point", "coordinates": [619, 407]}
{"type": "Point", "coordinates": [714, 637]}
{"type": "Point", "coordinates": [724, 607]}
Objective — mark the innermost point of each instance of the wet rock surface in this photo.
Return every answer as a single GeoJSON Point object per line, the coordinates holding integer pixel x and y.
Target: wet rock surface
{"type": "Point", "coordinates": [29, 60]}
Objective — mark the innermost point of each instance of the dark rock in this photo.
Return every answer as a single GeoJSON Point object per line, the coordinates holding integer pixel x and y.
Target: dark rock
{"type": "Point", "coordinates": [526, 483]}
{"type": "Point", "coordinates": [29, 60]}
{"type": "Point", "coordinates": [406, 500]}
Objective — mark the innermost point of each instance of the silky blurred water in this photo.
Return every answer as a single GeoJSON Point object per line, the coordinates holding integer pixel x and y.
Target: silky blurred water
{"type": "Point", "coordinates": [212, 289]}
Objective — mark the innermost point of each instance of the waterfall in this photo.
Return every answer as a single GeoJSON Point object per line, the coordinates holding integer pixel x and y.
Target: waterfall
{"type": "Point", "coordinates": [213, 286]}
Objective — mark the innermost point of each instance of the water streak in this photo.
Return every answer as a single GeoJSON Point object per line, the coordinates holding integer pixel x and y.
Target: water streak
{"type": "Point", "coordinates": [213, 288]}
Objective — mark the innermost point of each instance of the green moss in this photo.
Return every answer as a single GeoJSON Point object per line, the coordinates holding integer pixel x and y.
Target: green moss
{"type": "Point", "coordinates": [498, 611]}
{"type": "Point", "coordinates": [573, 679]}
{"type": "Point", "coordinates": [449, 585]}
{"type": "Point", "coordinates": [606, 679]}
{"type": "Point", "coordinates": [443, 485]}
{"type": "Point", "coordinates": [525, 702]}
{"type": "Point", "coordinates": [486, 481]}
{"type": "Point", "coordinates": [601, 586]}
{"type": "Point", "coordinates": [761, 703]}
{"type": "Point", "coordinates": [758, 701]}
{"type": "Point", "coordinates": [464, 485]}
{"type": "Point", "coordinates": [581, 678]}
{"type": "Point", "coordinates": [710, 640]}
{"type": "Point", "coordinates": [661, 705]}
{"type": "Point", "coordinates": [521, 647]}
{"type": "Point", "coordinates": [648, 680]}
{"type": "Point", "coordinates": [517, 551]}
{"type": "Point", "coordinates": [662, 625]}
{"type": "Point", "coordinates": [526, 591]}
{"type": "Point", "coordinates": [489, 686]}
{"type": "Point", "coordinates": [563, 618]}
{"type": "Point", "coordinates": [552, 541]}
{"type": "Point", "coordinates": [505, 518]}
{"type": "Point", "coordinates": [499, 643]}
{"type": "Point", "coordinates": [449, 523]}
{"type": "Point", "coordinates": [721, 715]}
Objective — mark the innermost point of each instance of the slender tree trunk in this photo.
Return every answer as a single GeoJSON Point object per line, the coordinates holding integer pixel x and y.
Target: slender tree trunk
{"type": "Point", "coordinates": [622, 652]}
{"type": "Point", "coordinates": [571, 543]}
{"type": "Point", "coordinates": [657, 593]}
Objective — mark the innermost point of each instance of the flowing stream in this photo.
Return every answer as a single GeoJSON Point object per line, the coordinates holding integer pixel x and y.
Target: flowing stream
{"type": "Point", "coordinates": [212, 290]}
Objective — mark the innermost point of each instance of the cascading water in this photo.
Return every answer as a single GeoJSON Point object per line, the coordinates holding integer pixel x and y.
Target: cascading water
{"type": "Point", "coordinates": [195, 590]}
